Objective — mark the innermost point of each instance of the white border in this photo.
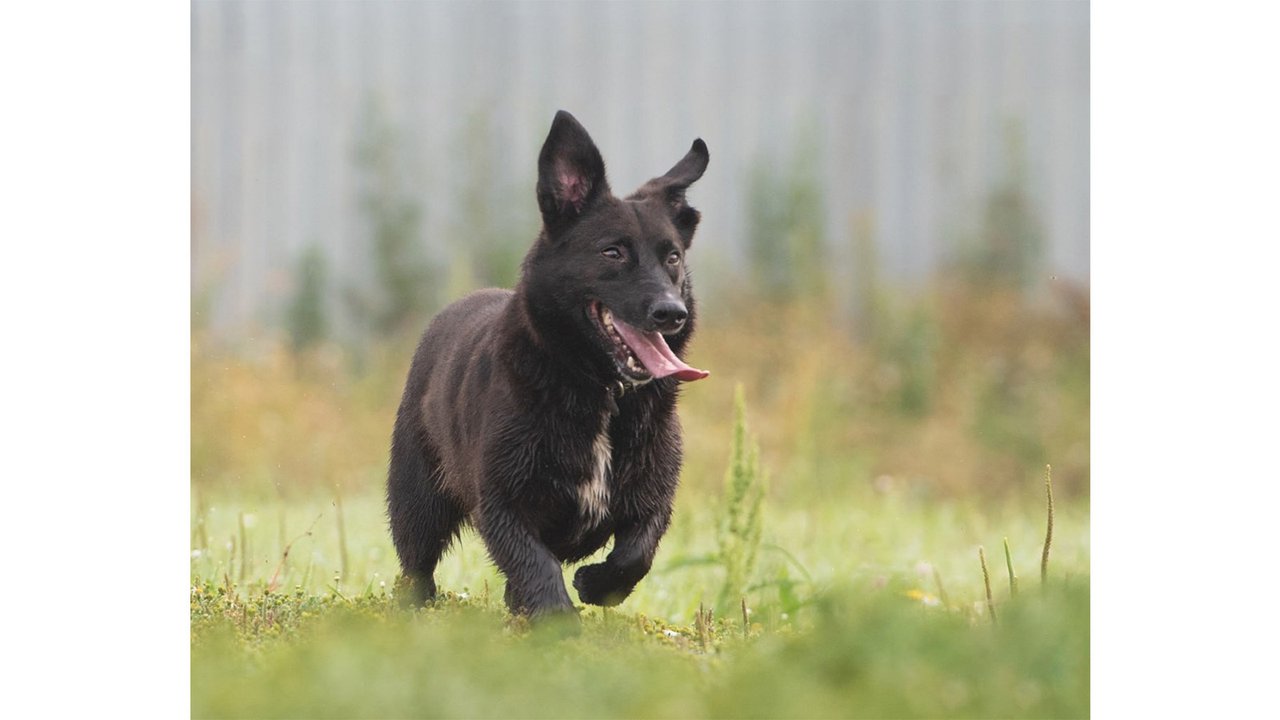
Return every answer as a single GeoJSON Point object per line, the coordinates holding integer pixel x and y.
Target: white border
{"type": "Point", "coordinates": [95, 373]}
{"type": "Point", "coordinates": [1184, 237]}
{"type": "Point", "coordinates": [95, 381]}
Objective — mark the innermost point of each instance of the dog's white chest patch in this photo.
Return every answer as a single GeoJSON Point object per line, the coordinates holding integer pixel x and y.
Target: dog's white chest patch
{"type": "Point", "coordinates": [593, 495]}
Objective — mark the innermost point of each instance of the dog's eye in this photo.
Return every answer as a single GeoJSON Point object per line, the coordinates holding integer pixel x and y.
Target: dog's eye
{"type": "Point", "coordinates": [612, 252]}
{"type": "Point", "coordinates": [673, 258]}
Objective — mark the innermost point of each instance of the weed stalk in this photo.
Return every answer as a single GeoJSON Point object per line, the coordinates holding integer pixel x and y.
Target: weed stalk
{"type": "Point", "coordinates": [202, 527]}
{"type": "Point", "coordinates": [986, 581]}
{"type": "Point", "coordinates": [1048, 534]}
{"type": "Point", "coordinates": [244, 550]}
{"type": "Point", "coordinates": [702, 622]}
{"type": "Point", "coordinates": [284, 543]}
{"type": "Point", "coordinates": [942, 591]}
{"type": "Point", "coordinates": [1013, 577]}
{"type": "Point", "coordinates": [741, 523]}
{"type": "Point", "coordinates": [284, 555]}
{"type": "Point", "coordinates": [342, 532]}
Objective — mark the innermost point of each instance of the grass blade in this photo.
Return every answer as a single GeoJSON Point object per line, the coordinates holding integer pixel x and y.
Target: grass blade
{"type": "Point", "coordinates": [1013, 577]}
{"type": "Point", "coordinates": [986, 581]}
{"type": "Point", "coordinates": [342, 534]}
{"type": "Point", "coordinates": [244, 550]}
{"type": "Point", "coordinates": [1048, 534]}
{"type": "Point", "coordinates": [942, 591]}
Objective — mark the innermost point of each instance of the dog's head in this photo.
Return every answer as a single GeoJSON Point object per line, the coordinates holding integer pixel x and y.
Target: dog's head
{"type": "Point", "coordinates": [615, 269]}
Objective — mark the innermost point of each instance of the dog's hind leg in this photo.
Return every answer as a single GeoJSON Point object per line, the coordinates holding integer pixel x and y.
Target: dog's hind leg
{"type": "Point", "coordinates": [423, 520]}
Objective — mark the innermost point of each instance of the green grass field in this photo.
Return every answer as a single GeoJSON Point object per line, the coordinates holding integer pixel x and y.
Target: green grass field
{"type": "Point", "coordinates": [848, 621]}
{"type": "Point", "coordinates": [866, 598]}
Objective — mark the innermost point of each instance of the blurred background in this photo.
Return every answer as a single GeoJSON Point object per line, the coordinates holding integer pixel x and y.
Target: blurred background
{"type": "Point", "coordinates": [901, 135]}
{"type": "Point", "coordinates": [893, 260]}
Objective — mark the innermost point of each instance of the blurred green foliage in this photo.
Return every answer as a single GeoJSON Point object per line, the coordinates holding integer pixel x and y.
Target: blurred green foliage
{"type": "Point", "coordinates": [405, 286]}
{"type": "Point", "coordinates": [907, 340]}
{"type": "Point", "coordinates": [496, 222]}
{"type": "Point", "coordinates": [491, 231]}
{"type": "Point", "coordinates": [307, 318]}
{"type": "Point", "coordinates": [786, 226]}
{"type": "Point", "coordinates": [1009, 246]}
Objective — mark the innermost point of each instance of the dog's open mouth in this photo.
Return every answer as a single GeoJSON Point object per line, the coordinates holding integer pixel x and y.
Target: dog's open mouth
{"type": "Point", "coordinates": [641, 356]}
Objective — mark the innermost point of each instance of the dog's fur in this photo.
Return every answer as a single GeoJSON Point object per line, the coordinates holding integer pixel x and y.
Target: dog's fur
{"type": "Point", "coordinates": [519, 414]}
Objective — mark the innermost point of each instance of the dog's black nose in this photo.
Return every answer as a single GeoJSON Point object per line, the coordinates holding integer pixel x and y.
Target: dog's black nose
{"type": "Point", "coordinates": [668, 315]}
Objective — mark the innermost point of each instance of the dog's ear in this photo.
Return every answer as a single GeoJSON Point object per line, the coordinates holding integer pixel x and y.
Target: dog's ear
{"type": "Point", "coordinates": [570, 172]}
{"type": "Point", "coordinates": [670, 189]}
{"type": "Point", "coordinates": [690, 168]}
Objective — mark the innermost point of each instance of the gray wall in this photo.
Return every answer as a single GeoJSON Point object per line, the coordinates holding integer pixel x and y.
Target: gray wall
{"type": "Point", "coordinates": [910, 104]}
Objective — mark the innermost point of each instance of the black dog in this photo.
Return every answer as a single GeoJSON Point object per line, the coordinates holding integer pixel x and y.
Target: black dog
{"type": "Point", "coordinates": [546, 416]}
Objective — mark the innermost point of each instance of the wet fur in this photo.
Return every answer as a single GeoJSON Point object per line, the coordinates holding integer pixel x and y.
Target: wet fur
{"type": "Point", "coordinates": [511, 417]}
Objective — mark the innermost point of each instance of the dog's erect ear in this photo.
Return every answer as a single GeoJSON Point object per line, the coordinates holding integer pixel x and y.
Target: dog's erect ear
{"type": "Point", "coordinates": [570, 172]}
{"type": "Point", "coordinates": [690, 168]}
{"type": "Point", "coordinates": [671, 187]}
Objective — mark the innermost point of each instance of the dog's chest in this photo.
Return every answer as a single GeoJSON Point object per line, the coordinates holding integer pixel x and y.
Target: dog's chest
{"type": "Point", "coordinates": [593, 492]}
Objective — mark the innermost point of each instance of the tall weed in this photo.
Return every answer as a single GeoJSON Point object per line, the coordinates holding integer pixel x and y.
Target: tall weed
{"type": "Point", "coordinates": [741, 518]}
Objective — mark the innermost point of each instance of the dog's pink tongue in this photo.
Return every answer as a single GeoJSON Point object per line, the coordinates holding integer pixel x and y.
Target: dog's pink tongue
{"type": "Point", "coordinates": [652, 351]}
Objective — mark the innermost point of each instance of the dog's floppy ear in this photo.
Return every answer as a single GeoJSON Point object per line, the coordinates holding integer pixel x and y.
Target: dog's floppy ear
{"type": "Point", "coordinates": [671, 187]}
{"type": "Point", "coordinates": [570, 172]}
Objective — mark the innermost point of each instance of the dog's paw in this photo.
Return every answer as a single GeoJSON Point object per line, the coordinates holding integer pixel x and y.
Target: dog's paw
{"type": "Point", "coordinates": [552, 602]}
{"type": "Point", "coordinates": [600, 584]}
{"type": "Point", "coordinates": [556, 623]}
{"type": "Point", "coordinates": [413, 592]}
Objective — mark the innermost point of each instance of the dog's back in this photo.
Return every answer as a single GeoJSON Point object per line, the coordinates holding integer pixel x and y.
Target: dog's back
{"type": "Point", "coordinates": [450, 375]}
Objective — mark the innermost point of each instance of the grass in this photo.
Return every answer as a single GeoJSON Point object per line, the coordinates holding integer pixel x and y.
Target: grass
{"type": "Point", "coordinates": [866, 597]}
{"type": "Point", "coordinates": [847, 618]}
{"type": "Point", "coordinates": [868, 538]}
{"type": "Point", "coordinates": [867, 652]}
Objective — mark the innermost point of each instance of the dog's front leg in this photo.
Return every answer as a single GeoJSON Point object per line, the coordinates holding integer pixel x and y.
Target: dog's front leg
{"type": "Point", "coordinates": [634, 545]}
{"type": "Point", "coordinates": [535, 584]}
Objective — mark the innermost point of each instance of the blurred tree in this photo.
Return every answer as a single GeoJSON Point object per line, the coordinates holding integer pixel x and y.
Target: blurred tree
{"type": "Point", "coordinates": [869, 295]}
{"type": "Point", "coordinates": [785, 225]}
{"type": "Point", "coordinates": [1009, 247]}
{"type": "Point", "coordinates": [405, 282]}
{"type": "Point", "coordinates": [306, 319]}
{"type": "Point", "coordinates": [912, 345]}
{"type": "Point", "coordinates": [494, 228]}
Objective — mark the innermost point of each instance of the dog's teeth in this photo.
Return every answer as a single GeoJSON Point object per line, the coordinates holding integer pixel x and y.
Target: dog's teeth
{"type": "Point", "coordinates": [623, 354]}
